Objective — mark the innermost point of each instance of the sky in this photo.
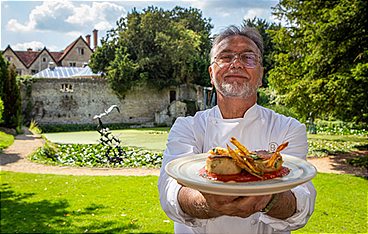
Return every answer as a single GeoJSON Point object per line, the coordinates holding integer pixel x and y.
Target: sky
{"type": "Point", "coordinates": [56, 24]}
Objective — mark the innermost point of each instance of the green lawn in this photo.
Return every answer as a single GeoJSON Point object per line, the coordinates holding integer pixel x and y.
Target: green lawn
{"type": "Point", "coordinates": [5, 140]}
{"type": "Point", "coordinates": [148, 138]}
{"type": "Point", "coordinates": [155, 139]}
{"type": "Point", "coordinates": [37, 203]}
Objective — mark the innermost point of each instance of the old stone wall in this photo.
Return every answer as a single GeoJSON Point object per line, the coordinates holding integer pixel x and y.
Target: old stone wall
{"type": "Point", "coordinates": [77, 100]}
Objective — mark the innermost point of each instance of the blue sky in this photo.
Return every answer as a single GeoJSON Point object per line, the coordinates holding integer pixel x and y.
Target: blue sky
{"type": "Point", "coordinates": [55, 24]}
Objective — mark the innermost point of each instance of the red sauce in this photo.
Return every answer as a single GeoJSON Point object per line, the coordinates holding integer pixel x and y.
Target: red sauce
{"type": "Point", "coordinates": [243, 176]}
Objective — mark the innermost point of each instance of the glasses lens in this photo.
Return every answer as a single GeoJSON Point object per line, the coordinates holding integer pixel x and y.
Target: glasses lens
{"type": "Point", "coordinates": [248, 59]}
{"type": "Point", "coordinates": [225, 58]}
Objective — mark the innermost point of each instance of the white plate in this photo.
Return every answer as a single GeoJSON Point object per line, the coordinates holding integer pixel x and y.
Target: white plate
{"type": "Point", "coordinates": [186, 171]}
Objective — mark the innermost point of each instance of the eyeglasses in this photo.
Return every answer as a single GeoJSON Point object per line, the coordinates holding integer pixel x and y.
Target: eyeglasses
{"type": "Point", "coordinates": [248, 59]}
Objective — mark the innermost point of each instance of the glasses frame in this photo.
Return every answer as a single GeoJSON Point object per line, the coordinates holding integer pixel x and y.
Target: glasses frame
{"type": "Point", "coordinates": [237, 55]}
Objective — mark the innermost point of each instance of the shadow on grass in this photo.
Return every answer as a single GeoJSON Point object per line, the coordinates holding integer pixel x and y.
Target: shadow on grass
{"type": "Point", "coordinates": [19, 215]}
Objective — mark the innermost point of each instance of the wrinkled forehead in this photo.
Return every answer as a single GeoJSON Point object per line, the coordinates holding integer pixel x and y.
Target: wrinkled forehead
{"type": "Point", "coordinates": [237, 44]}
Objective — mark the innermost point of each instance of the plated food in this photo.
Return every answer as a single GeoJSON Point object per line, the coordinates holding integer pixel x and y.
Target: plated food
{"type": "Point", "coordinates": [242, 165]}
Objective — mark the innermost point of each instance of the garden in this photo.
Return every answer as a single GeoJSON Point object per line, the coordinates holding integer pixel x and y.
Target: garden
{"type": "Point", "coordinates": [38, 203]}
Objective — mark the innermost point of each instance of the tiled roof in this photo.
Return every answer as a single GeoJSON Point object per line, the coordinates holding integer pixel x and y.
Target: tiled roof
{"type": "Point", "coordinates": [58, 72]}
{"type": "Point", "coordinates": [27, 57]}
{"type": "Point", "coordinates": [56, 55]}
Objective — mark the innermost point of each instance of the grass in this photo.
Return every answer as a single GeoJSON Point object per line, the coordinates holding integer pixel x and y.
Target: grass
{"type": "Point", "coordinates": [320, 145]}
{"type": "Point", "coordinates": [148, 138]}
{"type": "Point", "coordinates": [5, 140]}
{"type": "Point", "coordinates": [341, 205]}
{"type": "Point", "coordinates": [38, 203]}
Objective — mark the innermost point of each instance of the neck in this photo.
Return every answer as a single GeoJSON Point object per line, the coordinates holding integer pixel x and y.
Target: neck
{"type": "Point", "coordinates": [232, 108]}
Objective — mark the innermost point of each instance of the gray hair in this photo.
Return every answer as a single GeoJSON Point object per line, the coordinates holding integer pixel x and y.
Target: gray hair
{"type": "Point", "coordinates": [249, 32]}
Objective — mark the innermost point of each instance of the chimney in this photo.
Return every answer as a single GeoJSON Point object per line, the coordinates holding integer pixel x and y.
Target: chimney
{"type": "Point", "coordinates": [95, 39]}
{"type": "Point", "coordinates": [88, 39]}
{"type": "Point", "coordinates": [51, 66]}
{"type": "Point", "coordinates": [29, 50]}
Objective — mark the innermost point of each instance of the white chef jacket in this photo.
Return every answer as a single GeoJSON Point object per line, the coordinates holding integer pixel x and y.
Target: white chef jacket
{"type": "Point", "coordinates": [259, 129]}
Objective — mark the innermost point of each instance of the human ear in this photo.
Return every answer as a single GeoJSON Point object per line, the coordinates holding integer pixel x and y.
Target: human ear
{"type": "Point", "coordinates": [210, 73]}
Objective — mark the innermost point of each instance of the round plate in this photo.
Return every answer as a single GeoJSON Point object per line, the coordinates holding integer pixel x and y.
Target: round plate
{"type": "Point", "coordinates": [186, 171]}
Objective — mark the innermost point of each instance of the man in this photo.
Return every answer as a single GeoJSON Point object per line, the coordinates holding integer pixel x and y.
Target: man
{"type": "Point", "coordinates": [236, 72]}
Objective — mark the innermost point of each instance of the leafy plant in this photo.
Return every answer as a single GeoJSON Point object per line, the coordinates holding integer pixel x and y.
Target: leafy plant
{"type": "Point", "coordinates": [33, 127]}
{"type": "Point", "coordinates": [5, 140]}
{"type": "Point", "coordinates": [359, 161]}
{"type": "Point", "coordinates": [95, 156]}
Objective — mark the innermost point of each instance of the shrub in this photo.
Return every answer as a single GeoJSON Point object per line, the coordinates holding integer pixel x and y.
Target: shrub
{"type": "Point", "coordinates": [95, 156]}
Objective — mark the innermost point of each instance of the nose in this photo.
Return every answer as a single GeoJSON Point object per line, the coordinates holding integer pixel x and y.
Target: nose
{"type": "Point", "coordinates": [237, 63]}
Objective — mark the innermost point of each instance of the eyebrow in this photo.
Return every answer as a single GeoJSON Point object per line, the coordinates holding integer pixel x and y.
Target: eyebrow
{"type": "Point", "coordinates": [230, 51]}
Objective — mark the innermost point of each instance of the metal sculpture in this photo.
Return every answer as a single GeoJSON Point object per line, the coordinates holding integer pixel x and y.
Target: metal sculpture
{"type": "Point", "coordinates": [109, 140]}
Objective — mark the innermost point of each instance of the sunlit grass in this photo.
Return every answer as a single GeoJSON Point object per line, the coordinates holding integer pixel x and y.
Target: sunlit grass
{"type": "Point", "coordinates": [32, 203]}
{"type": "Point", "coordinates": [41, 203]}
{"type": "Point", "coordinates": [148, 138]}
{"type": "Point", "coordinates": [5, 140]}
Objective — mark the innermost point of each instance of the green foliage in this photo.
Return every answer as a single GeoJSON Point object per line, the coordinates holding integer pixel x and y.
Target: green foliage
{"type": "Point", "coordinates": [156, 47]}
{"type": "Point", "coordinates": [341, 128]}
{"type": "Point", "coordinates": [47, 128]}
{"type": "Point", "coordinates": [321, 64]}
{"type": "Point", "coordinates": [1, 110]}
{"type": "Point", "coordinates": [359, 161]}
{"type": "Point", "coordinates": [6, 140]}
{"type": "Point", "coordinates": [95, 156]}
{"type": "Point", "coordinates": [33, 127]}
{"type": "Point", "coordinates": [322, 148]}
{"type": "Point", "coordinates": [269, 48]}
{"type": "Point", "coordinates": [27, 111]}
{"type": "Point", "coordinates": [40, 203]}
{"type": "Point", "coordinates": [11, 98]}
{"type": "Point", "coordinates": [3, 73]}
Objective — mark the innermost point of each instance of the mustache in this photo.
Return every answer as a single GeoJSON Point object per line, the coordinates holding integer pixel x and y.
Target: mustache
{"type": "Point", "coordinates": [236, 73]}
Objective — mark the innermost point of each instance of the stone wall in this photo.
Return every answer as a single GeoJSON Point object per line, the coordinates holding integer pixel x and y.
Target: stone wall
{"type": "Point", "coordinates": [77, 100]}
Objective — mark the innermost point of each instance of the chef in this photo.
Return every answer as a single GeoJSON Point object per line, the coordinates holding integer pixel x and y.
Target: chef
{"type": "Point", "coordinates": [236, 72]}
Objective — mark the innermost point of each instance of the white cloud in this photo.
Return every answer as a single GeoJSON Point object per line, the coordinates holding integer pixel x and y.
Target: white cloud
{"type": "Point", "coordinates": [65, 16]}
{"type": "Point", "coordinates": [99, 14]}
{"type": "Point", "coordinates": [257, 12]}
{"type": "Point", "coordinates": [34, 45]}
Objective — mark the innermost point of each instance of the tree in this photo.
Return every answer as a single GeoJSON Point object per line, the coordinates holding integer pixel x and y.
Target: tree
{"type": "Point", "coordinates": [156, 47]}
{"type": "Point", "coordinates": [269, 48]}
{"type": "Point", "coordinates": [322, 64]}
{"type": "Point", "coordinates": [3, 73]}
{"type": "Point", "coordinates": [11, 99]}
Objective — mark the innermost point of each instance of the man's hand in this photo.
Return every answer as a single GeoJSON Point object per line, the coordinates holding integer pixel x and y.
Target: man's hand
{"type": "Point", "coordinates": [236, 206]}
{"type": "Point", "coordinates": [204, 206]}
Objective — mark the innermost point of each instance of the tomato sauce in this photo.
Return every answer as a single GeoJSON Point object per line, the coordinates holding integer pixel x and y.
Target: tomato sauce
{"type": "Point", "coordinates": [243, 176]}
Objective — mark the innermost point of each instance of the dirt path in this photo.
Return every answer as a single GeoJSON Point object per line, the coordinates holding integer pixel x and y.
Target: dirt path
{"type": "Point", "coordinates": [15, 159]}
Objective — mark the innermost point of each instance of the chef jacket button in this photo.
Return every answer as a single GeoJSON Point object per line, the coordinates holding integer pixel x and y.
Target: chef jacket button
{"type": "Point", "coordinates": [253, 221]}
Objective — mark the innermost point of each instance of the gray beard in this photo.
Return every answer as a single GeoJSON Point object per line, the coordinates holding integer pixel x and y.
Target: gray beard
{"type": "Point", "coordinates": [235, 89]}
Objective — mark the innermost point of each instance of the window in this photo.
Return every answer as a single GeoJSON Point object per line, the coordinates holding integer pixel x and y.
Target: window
{"type": "Point", "coordinates": [80, 51]}
{"type": "Point", "coordinates": [34, 71]}
{"type": "Point", "coordinates": [172, 96]}
{"type": "Point", "coordinates": [44, 59]}
{"type": "Point", "coordinates": [72, 64]}
{"type": "Point", "coordinates": [9, 58]}
{"type": "Point", "coordinates": [19, 71]}
{"type": "Point", "coordinates": [66, 88]}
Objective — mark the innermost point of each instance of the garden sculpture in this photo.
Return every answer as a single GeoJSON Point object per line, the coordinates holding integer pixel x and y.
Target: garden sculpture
{"type": "Point", "coordinates": [109, 140]}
